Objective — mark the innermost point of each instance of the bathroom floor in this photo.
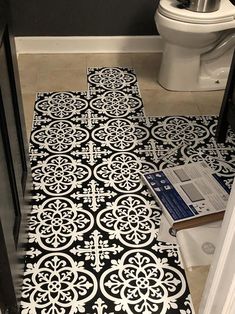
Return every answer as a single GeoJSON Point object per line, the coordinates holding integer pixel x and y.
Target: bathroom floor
{"type": "Point", "coordinates": [68, 73]}
{"type": "Point", "coordinates": [60, 72]}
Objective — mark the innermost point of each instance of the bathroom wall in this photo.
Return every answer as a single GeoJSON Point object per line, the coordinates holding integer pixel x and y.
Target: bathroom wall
{"type": "Point", "coordinates": [83, 17]}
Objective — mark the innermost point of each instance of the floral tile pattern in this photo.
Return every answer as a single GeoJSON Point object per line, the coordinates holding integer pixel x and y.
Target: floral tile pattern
{"type": "Point", "coordinates": [93, 231]}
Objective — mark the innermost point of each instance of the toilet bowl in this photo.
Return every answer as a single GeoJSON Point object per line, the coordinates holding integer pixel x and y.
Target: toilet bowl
{"type": "Point", "coordinates": [198, 47]}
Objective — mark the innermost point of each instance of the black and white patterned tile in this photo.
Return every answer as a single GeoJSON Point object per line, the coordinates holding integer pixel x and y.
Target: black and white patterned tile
{"type": "Point", "coordinates": [112, 79]}
{"type": "Point", "coordinates": [93, 228]}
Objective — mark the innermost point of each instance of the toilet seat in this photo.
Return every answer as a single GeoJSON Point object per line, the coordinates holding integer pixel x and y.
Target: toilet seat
{"type": "Point", "coordinates": [226, 13]}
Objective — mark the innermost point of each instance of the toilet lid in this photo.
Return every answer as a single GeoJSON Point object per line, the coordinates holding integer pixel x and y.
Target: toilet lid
{"type": "Point", "coordinates": [226, 13]}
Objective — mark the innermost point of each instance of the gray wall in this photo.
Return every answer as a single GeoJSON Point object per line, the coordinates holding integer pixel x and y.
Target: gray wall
{"type": "Point", "coordinates": [83, 17]}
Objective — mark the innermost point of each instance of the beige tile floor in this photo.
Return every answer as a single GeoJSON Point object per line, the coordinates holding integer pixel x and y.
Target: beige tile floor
{"type": "Point", "coordinates": [60, 72]}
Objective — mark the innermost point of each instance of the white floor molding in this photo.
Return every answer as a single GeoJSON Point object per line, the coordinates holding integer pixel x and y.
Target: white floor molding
{"type": "Point", "coordinates": [88, 44]}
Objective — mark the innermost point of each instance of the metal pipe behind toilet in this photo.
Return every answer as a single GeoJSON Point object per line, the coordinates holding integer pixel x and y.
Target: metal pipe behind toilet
{"type": "Point", "coordinates": [200, 5]}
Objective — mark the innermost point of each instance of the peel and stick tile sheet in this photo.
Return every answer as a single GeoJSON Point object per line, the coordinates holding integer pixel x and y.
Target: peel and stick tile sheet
{"type": "Point", "coordinates": [93, 228]}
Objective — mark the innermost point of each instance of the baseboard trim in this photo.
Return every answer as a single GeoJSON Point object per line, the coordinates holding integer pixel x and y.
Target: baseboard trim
{"type": "Point", "coordinates": [88, 44]}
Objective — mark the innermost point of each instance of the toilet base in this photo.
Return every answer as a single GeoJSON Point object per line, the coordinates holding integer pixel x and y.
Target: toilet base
{"type": "Point", "coordinates": [191, 73]}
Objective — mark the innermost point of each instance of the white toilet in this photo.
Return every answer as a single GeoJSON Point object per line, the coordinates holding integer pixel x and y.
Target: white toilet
{"type": "Point", "coordinates": [198, 47]}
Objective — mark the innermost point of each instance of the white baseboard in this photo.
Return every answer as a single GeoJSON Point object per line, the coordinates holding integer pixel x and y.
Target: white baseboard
{"type": "Point", "coordinates": [88, 44]}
